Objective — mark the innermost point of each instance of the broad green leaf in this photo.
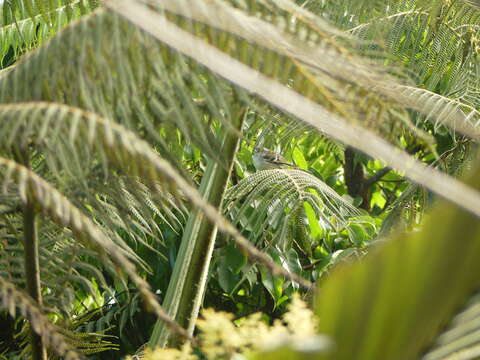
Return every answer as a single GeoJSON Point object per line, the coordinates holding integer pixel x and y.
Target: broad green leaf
{"type": "Point", "coordinates": [274, 284]}
{"type": "Point", "coordinates": [313, 223]}
{"type": "Point", "coordinates": [226, 277]}
{"type": "Point", "coordinates": [299, 159]}
{"type": "Point", "coordinates": [234, 258]}
{"type": "Point", "coordinates": [378, 199]}
{"type": "Point", "coordinates": [357, 233]}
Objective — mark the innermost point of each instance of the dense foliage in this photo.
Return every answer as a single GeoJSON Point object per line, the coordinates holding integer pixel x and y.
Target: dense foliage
{"type": "Point", "coordinates": [129, 198]}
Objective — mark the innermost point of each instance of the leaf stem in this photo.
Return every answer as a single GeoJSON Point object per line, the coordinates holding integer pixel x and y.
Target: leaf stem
{"type": "Point", "coordinates": [32, 265]}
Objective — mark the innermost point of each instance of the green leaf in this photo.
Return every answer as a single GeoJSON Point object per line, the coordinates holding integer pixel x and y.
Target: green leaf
{"type": "Point", "coordinates": [281, 300]}
{"type": "Point", "coordinates": [293, 262]}
{"type": "Point", "coordinates": [331, 180]}
{"type": "Point", "coordinates": [313, 223]}
{"type": "Point", "coordinates": [299, 159]}
{"type": "Point", "coordinates": [273, 284]}
{"type": "Point", "coordinates": [357, 201]}
{"type": "Point", "coordinates": [357, 233]}
{"type": "Point", "coordinates": [234, 258]}
{"type": "Point", "coordinates": [226, 278]}
{"type": "Point", "coordinates": [378, 199]}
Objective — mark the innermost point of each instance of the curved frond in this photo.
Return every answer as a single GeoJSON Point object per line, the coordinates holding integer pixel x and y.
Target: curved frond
{"type": "Point", "coordinates": [123, 149]}
{"type": "Point", "coordinates": [272, 199]}
{"type": "Point", "coordinates": [26, 24]}
{"type": "Point", "coordinates": [444, 62]}
{"type": "Point", "coordinates": [441, 110]}
{"type": "Point", "coordinates": [16, 10]}
{"type": "Point", "coordinates": [11, 299]}
{"type": "Point", "coordinates": [31, 187]}
{"type": "Point", "coordinates": [125, 204]}
{"type": "Point", "coordinates": [152, 97]}
{"type": "Point", "coordinates": [67, 266]}
{"type": "Point", "coordinates": [295, 103]}
{"type": "Point", "coordinates": [326, 67]}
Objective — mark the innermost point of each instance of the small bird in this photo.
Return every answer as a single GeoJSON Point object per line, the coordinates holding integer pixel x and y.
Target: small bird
{"type": "Point", "coordinates": [265, 159]}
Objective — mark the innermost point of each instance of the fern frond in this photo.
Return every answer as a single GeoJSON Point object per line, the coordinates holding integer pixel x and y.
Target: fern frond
{"type": "Point", "coordinates": [125, 203]}
{"type": "Point", "coordinates": [21, 31]}
{"type": "Point", "coordinates": [298, 59]}
{"type": "Point", "coordinates": [399, 27]}
{"type": "Point", "coordinates": [142, 94]}
{"type": "Point", "coordinates": [441, 110]}
{"type": "Point", "coordinates": [312, 63]}
{"type": "Point", "coordinates": [404, 212]}
{"type": "Point", "coordinates": [67, 266]}
{"type": "Point", "coordinates": [120, 314]}
{"type": "Point", "coordinates": [273, 129]}
{"type": "Point", "coordinates": [84, 343]}
{"type": "Point", "coordinates": [12, 299]}
{"type": "Point", "coordinates": [277, 195]}
{"type": "Point", "coordinates": [30, 186]}
{"type": "Point", "coordinates": [16, 10]}
{"type": "Point", "coordinates": [123, 149]}
{"type": "Point", "coordinates": [303, 108]}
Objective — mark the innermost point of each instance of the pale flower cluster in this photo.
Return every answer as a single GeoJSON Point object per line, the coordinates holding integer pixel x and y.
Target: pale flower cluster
{"type": "Point", "coordinates": [221, 338]}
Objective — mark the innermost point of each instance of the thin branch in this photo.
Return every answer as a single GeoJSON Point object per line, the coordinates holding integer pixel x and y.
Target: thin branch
{"type": "Point", "coordinates": [32, 272]}
{"type": "Point", "coordinates": [31, 258]}
{"type": "Point", "coordinates": [393, 181]}
{"type": "Point", "coordinates": [377, 176]}
{"type": "Point", "coordinates": [312, 265]}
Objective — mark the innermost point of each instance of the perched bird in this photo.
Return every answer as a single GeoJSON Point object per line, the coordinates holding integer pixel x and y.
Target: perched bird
{"type": "Point", "coordinates": [264, 159]}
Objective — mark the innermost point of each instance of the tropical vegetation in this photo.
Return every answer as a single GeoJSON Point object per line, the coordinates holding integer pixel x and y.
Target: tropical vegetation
{"type": "Point", "coordinates": [134, 223]}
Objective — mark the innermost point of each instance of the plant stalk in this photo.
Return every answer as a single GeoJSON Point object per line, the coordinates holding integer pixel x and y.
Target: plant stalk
{"type": "Point", "coordinates": [32, 271]}
{"type": "Point", "coordinates": [186, 289]}
{"type": "Point", "coordinates": [32, 265]}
